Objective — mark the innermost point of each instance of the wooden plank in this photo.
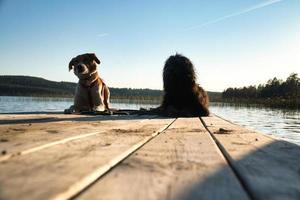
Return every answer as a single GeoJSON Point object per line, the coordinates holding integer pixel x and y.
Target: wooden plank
{"type": "Point", "coordinates": [20, 139]}
{"type": "Point", "coordinates": [35, 118]}
{"type": "Point", "coordinates": [181, 163]}
{"type": "Point", "coordinates": [269, 168]}
{"type": "Point", "coordinates": [53, 171]}
{"type": "Point", "coordinates": [42, 118]}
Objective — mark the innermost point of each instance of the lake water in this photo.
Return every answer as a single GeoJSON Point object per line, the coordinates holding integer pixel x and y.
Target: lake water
{"type": "Point", "coordinates": [284, 124]}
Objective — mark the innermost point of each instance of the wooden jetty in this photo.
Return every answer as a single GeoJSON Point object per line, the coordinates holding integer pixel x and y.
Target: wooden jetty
{"type": "Point", "coordinates": [56, 156]}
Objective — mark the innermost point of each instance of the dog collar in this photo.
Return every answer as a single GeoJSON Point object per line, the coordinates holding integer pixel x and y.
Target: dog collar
{"type": "Point", "coordinates": [88, 82]}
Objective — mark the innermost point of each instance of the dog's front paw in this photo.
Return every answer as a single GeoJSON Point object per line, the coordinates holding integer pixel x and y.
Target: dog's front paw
{"type": "Point", "coordinates": [69, 110]}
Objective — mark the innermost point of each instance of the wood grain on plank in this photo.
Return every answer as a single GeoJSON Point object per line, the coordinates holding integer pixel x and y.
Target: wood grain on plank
{"type": "Point", "coordinates": [269, 168]}
{"type": "Point", "coordinates": [54, 170]}
{"type": "Point", "coordinates": [6, 119]}
{"type": "Point", "coordinates": [181, 163]}
{"type": "Point", "coordinates": [21, 139]}
{"type": "Point", "coordinates": [36, 118]}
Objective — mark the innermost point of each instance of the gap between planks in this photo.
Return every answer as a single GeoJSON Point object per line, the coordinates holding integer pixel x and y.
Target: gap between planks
{"type": "Point", "coordinates": [268, 167]}
{"type": "Point", "coordinates": [227, 158]}
{"type": "Point", "coordinates": [51, 144]}
{"type": "Point", "coordinates": [181, 163]}
{"type": "Point", "coordinates": [85, 182]}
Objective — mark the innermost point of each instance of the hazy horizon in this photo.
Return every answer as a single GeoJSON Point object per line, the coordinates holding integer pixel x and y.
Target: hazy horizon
{"type": "Point", "coordinates": [232, 44]}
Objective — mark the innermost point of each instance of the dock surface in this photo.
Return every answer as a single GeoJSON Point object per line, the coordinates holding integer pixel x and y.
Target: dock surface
{"type": "Point", "coordinates": [56, 156]}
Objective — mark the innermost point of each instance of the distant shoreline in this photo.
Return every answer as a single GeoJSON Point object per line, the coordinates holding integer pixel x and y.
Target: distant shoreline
{"type": "Point", "coordinates": [39, 87]}
{"type": "Point", "coordinates": [275, 93]}
{"type": "Point", "coordinates": [291, 104]}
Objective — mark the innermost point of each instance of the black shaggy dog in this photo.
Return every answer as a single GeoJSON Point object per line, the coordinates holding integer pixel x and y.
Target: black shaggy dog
{"type": "Point", "coordinates": [183, 97]}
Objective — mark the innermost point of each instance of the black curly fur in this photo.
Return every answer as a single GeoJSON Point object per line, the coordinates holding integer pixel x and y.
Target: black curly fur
{"type": "Point", "coordinates": [182, 95]}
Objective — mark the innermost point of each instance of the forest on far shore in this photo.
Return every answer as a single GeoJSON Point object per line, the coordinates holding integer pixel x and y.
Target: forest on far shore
{"type": "Point", "coordinates": [275, 93]}
{"type": "Point", "coordinates": [39, 87]}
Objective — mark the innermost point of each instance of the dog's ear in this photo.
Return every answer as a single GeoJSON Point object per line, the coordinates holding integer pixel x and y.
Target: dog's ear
{"type": "Point", "coordinates": [94, 57]}
{"type": "Point", "coordinates": [71, 63]}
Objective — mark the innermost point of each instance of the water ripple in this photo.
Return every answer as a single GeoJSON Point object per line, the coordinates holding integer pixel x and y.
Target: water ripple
{"type": "Point", "coordinates": [284, 124]}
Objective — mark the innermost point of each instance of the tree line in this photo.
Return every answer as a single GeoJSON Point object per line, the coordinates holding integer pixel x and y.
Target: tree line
{"type": "Point", "coordinates": [275, 92]}
{"type": "Point", "coordinates": [35, 86]}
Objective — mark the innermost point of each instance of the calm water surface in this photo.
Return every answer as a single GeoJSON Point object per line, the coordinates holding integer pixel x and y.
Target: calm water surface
{"type": "Point", "coordinates": [280, 123]}
{"type": "Point", "coordinates": [51, 104]}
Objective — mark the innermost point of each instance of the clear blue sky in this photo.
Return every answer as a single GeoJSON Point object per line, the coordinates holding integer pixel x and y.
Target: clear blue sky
{"type": "Point", "coordinates": [232, 43]}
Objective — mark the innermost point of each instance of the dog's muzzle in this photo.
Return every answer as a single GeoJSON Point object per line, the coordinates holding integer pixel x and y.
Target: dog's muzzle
{"type": "Point", "coordinates": [81, 69]}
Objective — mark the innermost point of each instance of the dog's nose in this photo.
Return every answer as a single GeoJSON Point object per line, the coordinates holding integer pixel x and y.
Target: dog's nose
{"type": "Point", "coordinates": [80, 68]}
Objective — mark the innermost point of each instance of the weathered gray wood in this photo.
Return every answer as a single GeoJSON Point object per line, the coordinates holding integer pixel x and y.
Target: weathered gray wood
{"type": "Point", "coordinates": [27, 118]}
{"type": "Point", "coordinates": [269, 168]}
{"type": "Point", "coordinates": [53, 171]}
{"type": "Point", "coordinates": [23, 138]}
{"type": "Point", "coordinates": [12, 119]}
{"type": "Point", "coordinates": [181, 163]}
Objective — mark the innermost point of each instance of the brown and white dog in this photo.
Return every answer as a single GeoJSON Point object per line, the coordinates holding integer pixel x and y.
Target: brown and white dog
{"type": "Point", "coordinates": [91, 93]}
